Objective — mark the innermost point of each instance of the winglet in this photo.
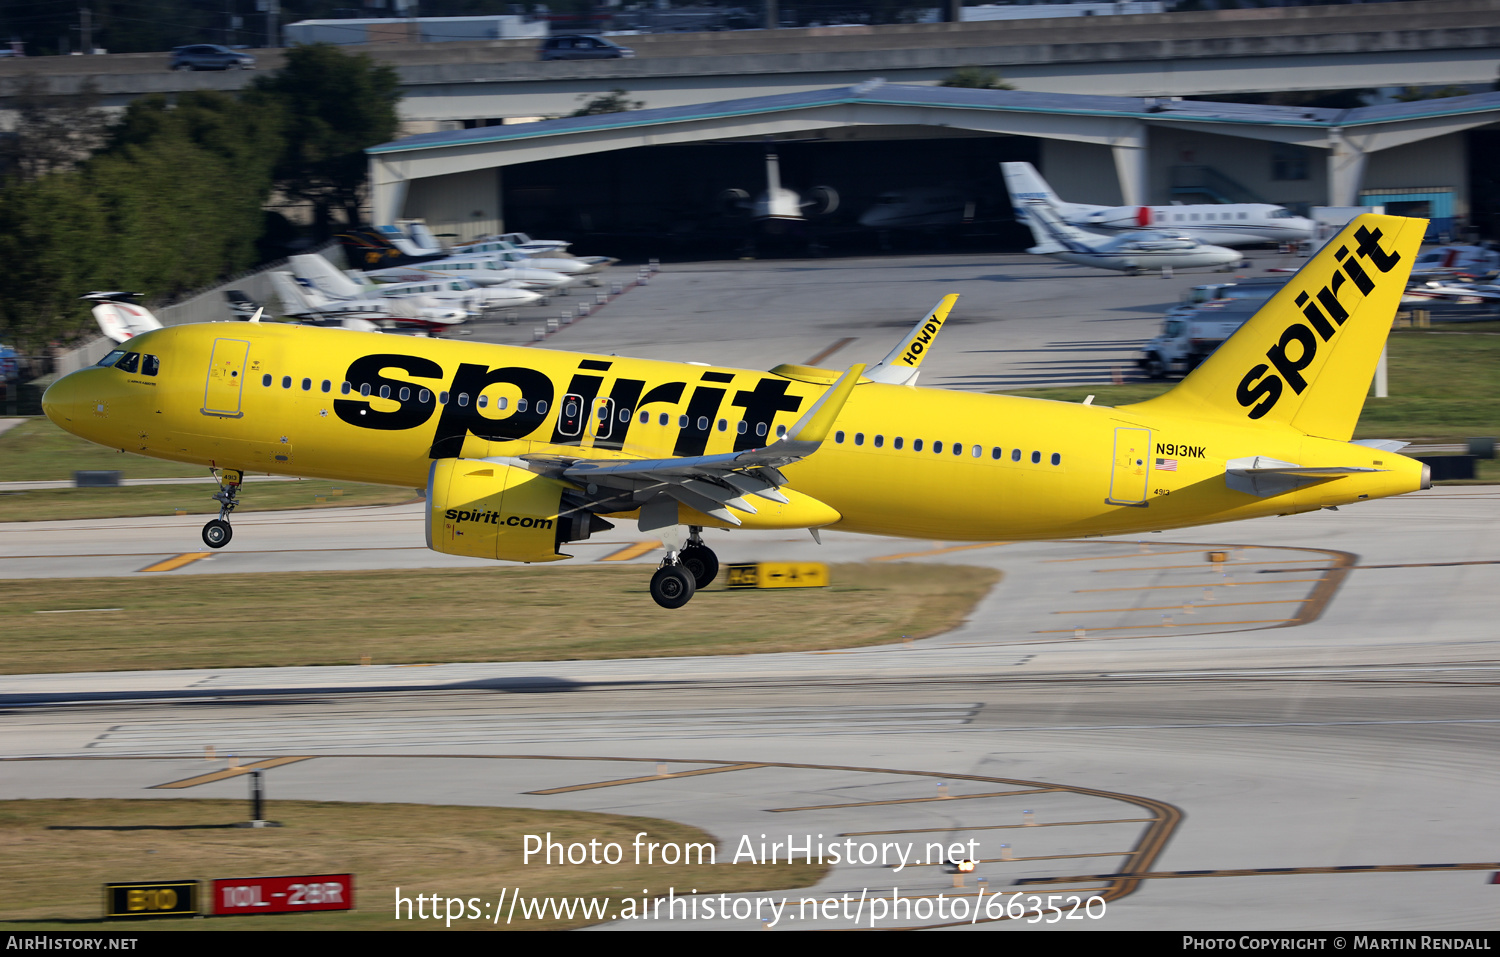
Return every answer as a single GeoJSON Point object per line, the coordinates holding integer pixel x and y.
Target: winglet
{"type": "Point", "coordinates": [814, 426]}
{"type": "Point", "coordinates": [901, 366]}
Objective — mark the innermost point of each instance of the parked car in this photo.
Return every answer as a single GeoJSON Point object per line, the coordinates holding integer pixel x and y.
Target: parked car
{"type": "Point", "coordinates": [581, 48]}
{"type": "Point", "coordinates": [210, 56]}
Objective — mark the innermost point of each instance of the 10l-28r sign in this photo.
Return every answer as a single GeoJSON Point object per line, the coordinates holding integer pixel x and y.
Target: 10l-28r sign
{"type": "Point", "coordinates": [283, 895]}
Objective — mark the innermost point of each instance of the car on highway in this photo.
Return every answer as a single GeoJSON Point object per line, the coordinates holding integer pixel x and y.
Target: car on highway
{"type": "Point", "coordinates": [581, 48]}
{"type": "Point", "coordinates": [209, 56]}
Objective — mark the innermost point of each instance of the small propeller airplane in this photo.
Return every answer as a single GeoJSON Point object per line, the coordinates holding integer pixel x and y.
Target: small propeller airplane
{"type": "Point", "coordinates": [520, 451]}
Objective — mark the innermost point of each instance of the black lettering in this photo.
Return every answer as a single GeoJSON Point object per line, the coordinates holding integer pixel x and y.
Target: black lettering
{"type": "Point", "coordinates": [1291, 369]}
{"type": "Point", "coordinates": [718, 377]}
{"type": "Point", "coordinates": [703, 405]}
{"type": "Point", "coordinates": [586, 387]}
{"type": "Point", "coordinates": [1331, 302]}
{"type": "Point", "coordinates": [1319, 321]}
{"type": "Point", "coordinates": [760, 408]}
{"type": "Point", "coordinates": [451, 514]}
{"type": "Point", "coordinates": [361, 411]}
{"type": "Point", "coordinates": [458, 422]}
{"type": "Point", "coordinates": [1361, 279]}
{"type": "Point", "coordinates": [624, 394]}
{"type": "Point", "coordinates": [595, 365]}
{"type": "Point", "coordinates": [1267, 391]}
{"type": "Point", "coordinates": [1369, 248]}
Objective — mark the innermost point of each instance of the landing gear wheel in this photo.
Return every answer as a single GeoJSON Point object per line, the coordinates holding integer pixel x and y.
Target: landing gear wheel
{"type": "Point", "coordinates": [672, 586]}
{"type": "Point", "coordinates": [700, 562]}
{"type": "Point", "coordinates": [217, 533]}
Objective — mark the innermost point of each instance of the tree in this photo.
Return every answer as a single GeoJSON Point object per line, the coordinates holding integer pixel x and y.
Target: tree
{"type": "Point", "coordinates": [51, 133]}
{"type": "Point", "coordinates": [975, 78]}
{"type": "Point", "coordinates": [334, 105]}
{"type": "Point", "coordinates": [615, 101]}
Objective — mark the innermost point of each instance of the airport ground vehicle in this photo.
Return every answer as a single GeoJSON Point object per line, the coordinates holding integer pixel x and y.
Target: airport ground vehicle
{"type": "Point", "coordinates": [521, 451]}
{"type": "Point", "coordinates": [1208, 315]}
{"type": "Point", "coordinates": [209, 56]}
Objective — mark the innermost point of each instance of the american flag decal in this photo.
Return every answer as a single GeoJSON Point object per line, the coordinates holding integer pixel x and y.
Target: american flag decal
{"type": "Point", "coordinates": [1166, 465]}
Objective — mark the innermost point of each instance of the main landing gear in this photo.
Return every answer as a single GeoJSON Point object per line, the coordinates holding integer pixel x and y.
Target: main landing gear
{"type": "Point", "coordinates": [684, 571]}
{"type": "Point", "coordinates": [217, 533]}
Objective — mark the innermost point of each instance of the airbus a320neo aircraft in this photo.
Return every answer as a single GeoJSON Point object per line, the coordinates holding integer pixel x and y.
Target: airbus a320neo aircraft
{"type": "Point", "coordinates": [521, 450]}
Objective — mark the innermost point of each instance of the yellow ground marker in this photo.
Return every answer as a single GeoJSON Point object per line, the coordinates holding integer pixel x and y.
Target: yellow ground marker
{"type": "Point", "coordinates": [213, 776]}
{"type": "Point", "coordinates": [631, 551]}
{"type": "Point", "coordinates": [177, 561]}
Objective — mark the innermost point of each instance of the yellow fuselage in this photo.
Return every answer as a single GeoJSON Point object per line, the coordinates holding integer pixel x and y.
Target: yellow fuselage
{"type": "Point", "coordinates": [1061, 469]}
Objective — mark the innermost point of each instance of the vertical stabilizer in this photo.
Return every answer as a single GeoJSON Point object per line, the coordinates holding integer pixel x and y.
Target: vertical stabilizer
{"type": "Point", "coordinates": [1306, 358]}
{"type": "Point", "coordinates": [327, 279]}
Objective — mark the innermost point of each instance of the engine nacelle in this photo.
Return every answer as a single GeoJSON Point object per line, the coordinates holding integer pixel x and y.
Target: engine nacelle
{"type": "Point", "coordinates": [1121, 217]}
{"type": "Point", "coordinates": [490, 510]}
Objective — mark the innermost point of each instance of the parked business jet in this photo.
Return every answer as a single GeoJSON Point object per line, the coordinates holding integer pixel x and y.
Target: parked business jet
{"type": "Point", "coordinates": [1224, 224]}
{"type": "Point", "coordinates": [440, 292]}
{"type": "Point", "coordinates": [118, 317]}
{"type": "Point", "coordinates": [776, 205]}
{"type": "Point", "coordinates": [482, 270]}
{"type": "Point", "coordinates": [1132, 253]}
{"type": "Point", "coordinates": [523, 450]}
{"type": "Point", "coordinates": [917, 207]}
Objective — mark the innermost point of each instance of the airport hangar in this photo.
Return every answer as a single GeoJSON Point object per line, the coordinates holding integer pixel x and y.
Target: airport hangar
{"type": "Point", "coordinates": [653, 172]}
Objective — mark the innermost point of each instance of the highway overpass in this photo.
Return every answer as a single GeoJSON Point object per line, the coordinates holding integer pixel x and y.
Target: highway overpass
{"type": "Point", "coordinates": [1172, 54]}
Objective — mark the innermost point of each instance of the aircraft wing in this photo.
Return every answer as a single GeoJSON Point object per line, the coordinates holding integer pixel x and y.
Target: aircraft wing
{"type": "Point", "coordinates": [901, 365]}
{"type": "Point", "coordinates": [709, 483]}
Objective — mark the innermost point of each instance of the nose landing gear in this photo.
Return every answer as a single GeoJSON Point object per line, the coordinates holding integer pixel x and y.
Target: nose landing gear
{"type": "Point", "coordinates": [217, 533]}
{"type": "Point", "coordinates": [684, 571]}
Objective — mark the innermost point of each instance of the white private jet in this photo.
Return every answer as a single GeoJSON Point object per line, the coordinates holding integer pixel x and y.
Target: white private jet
{"type": "Point", "coordinates": [919, 206]}
{"type": "Point", "coordinates": [481, 269]}
{"type": "Point", "coordinates": [776, 206]}
{"type": "Point", "coordinates": [1132, 253]}
{"type": "Point", "coordinates": [1224, 224]}
{"type": "Point", "coordinates": [1450, 260]}
{"type": "Point", "coordinates": [118, 317]}
{"type": "Point", "coordinates": [502, 251]}
{"type": "Point", "coordinates": [449, 293]}
{"type": "Point", "coordinates": [304, 302]}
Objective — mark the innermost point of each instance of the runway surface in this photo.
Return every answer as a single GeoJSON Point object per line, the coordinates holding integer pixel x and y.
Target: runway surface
{"type": "Point", "coordinates": [1298, 736]}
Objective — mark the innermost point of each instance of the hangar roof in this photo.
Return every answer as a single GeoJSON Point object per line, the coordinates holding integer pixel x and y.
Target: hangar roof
{"type": "Point", "coordinates": [873, 93]}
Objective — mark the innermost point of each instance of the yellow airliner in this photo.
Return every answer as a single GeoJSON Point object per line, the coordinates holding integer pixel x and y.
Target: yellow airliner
{"type": "Point", "coordinates": [520, 450]}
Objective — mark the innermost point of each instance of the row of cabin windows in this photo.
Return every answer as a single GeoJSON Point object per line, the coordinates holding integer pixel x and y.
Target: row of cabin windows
{"type": "Point", "coordinates": [570, 411]}
{"type": "Point", "coordinates": [142, 362]}
{"type": "Point", "coordinates": [957, 448]}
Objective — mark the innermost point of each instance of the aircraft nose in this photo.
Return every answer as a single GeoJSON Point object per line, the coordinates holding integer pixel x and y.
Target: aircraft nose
{"type": "Point", "coordinates": [65, 403]}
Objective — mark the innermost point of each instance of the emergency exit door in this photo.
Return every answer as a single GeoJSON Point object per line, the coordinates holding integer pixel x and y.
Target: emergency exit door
{"type": "Point", "coordinates": [1127, 480]}
{"type": "Point", "coordinates": [226, 378]}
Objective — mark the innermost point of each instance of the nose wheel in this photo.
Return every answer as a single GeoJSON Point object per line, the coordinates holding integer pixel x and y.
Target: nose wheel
{"type": "Point", "coordinates": [217, 533]}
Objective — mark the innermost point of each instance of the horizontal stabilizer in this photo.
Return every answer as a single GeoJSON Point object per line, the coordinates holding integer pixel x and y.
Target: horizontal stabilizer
{"type": "Point", "coordinates": [1263, 476]}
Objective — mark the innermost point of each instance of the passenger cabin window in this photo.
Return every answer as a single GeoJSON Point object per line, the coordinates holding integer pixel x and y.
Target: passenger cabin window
{"type": "Point", "coordinates": [265, 380]}
{"type": "Point", "coordinates": [463, 399]}
{"type": "Point", "coordinates": [306, 385]}
{"type": "Point", "coordinates": [859, 438]}
{"type": "Point", "coordinates": [521, 406]}
{"type": "Point", "coordinates": [780, 431]}
{"type": "Point", "coordinates": [344, 387]}
{"type": "Point", "coordinates": [1015, 455]}
{"type": "Point", "coordinates": [896, 443]}
{"type": "Point", "coordinates": [150, 365]}
{"type": "Point", "coordinates": [1036, 458]}
{"type": "Point", "coordinates": [404, 394]}
{"type": "Point", "coordinates": [879, 441]}
{"type": "Point", "coordinates": [838, 437]}
{"type": "Point", "coordinates": [327, 386]}
{"type": "Point", "coordinates": [286, 382]}
{"type": "Point", "coordinates": [995, 453]}
{"type": "Point", "coordinates": [916, 445]}
{"type": "Point", "coordinates": [422, 396]}
{"type": "Point", "coordinates": [385, 392]}
{"type": "Point", "coordinates": [1056, 459]}
{"type": "Point", "coordinates": [937, 448]}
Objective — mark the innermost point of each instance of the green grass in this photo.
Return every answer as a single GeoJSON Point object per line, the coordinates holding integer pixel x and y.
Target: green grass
{"type": "Point", "coordinates": [38, 451]}
{"type": "Point", "coordinates": [53, 877]}
{"type": "Point", "coordinates": [504, 613]}
{"type": "Point", "coordinates": [1444, 387]}
{"type": "Point", "coordinates": [77, 503]}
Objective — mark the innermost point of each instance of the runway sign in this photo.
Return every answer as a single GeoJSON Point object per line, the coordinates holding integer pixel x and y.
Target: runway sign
{"type": "Point", "coordinates": [778, 575]}
{"type": "Point", "coordinates": [153, 899]}
{"type": "Point", "coordinates": [283, 895]}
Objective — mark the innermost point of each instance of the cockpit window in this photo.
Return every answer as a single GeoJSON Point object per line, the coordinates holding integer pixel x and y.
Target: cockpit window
{"type": "Point", "coordinates": [112, 358]}
{"type": "Point", "coordinates": [130, 363]}
{"type": "Point", "coordinates": [150, 365]}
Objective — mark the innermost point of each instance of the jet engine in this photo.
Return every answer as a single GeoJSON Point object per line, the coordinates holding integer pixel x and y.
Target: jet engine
{"type": "Point", "coordinates": [490, 510]}
{"type": "Point", "coordinates": [1121, 217]}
